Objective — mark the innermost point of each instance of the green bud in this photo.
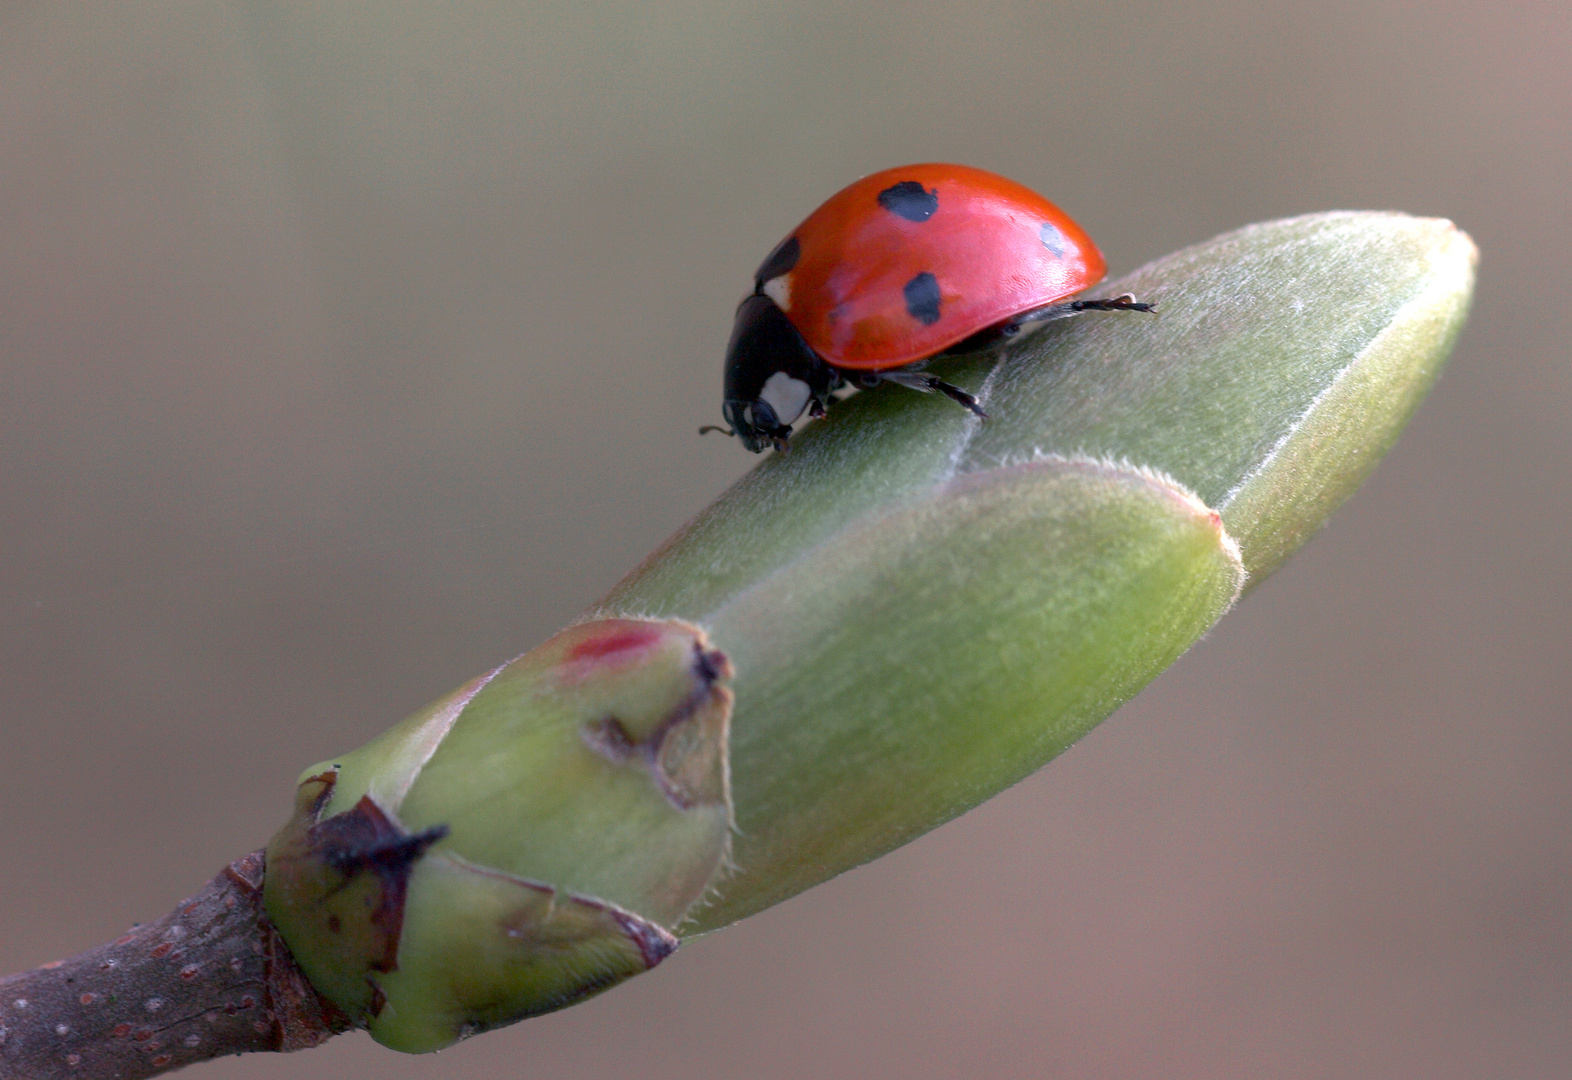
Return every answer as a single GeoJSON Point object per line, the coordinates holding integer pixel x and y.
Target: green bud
{"type": "Point", "coordinates": [517, 846]}
{"type": "Point", "coordinates": [942, 648]}
{"type": "Point", "coordinates": [1283, 360]}
{"type": "Point", "coordinates": [922, 608]}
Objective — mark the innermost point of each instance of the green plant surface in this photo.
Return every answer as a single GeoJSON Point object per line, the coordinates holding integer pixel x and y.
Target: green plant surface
{"type": "Point", "coordinates": [516, 846]}
{"type": "Point", "coordinates": [886, 655]}
{"type": "Point", "coordinates": [868, 635]}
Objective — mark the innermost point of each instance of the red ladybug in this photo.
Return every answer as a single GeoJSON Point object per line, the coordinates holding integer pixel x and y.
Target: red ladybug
{"type": "Point", "coordinates": [900, 267]}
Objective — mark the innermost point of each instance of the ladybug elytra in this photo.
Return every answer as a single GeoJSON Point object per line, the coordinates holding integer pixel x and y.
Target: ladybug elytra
{"type": "Point", "coordinates": [898, 268]}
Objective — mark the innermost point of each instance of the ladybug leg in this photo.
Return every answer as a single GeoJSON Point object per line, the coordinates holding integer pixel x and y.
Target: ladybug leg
{"type": "Point", "coordinates": [921, 380]}
{"type": "Point", "coordinates": [955, 393]}
{"type": "Point", "coordinates": [1123, 302]}
{"type": "Point", "coordinates": [821, 402]}
{"type": "Point", "coordinates": [824, 381]}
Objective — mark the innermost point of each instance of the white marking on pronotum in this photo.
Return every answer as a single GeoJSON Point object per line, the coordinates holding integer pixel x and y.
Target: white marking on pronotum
{"type": "Point", "coordinates": [786, 395]}
{"type": "Point", "coordinates": [779, 290]}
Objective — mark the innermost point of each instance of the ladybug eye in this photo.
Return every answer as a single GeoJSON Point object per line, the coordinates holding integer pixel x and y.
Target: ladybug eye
{"type": "Point", "coordinates": [761, 416]}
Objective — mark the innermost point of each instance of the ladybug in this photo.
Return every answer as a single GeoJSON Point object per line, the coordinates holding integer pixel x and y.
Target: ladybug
{"type": "Point", "coordinates": [900, 267]}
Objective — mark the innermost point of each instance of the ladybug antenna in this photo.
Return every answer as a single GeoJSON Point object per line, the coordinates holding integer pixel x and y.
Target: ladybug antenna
{"type": "Point", "coordinates": [716, 427]}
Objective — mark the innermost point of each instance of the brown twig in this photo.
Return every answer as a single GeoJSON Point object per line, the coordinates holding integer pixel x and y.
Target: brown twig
{"type": "Point", "coordinates": [211, 978]}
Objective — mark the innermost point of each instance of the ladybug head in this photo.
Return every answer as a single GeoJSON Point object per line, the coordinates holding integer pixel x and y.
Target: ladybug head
{"type": "Point", "coordinates": [772, 377]}
{"type": "Point", "coordinates": [756, 425]}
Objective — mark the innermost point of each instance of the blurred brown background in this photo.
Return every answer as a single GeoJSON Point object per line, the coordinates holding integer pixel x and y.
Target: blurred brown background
{"type": "Point", "coordinates": [348, 350]}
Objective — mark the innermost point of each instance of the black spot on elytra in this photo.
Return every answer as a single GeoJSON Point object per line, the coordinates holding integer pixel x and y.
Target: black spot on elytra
{"type": "Point", "coordinates": [922, 298]}
{"type": "Point", "coordinates": [782, 259]}
{"type": "Point", "coordinates": [908, 200]}
{"type": "Point", "coordinates": [1053, 239]}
